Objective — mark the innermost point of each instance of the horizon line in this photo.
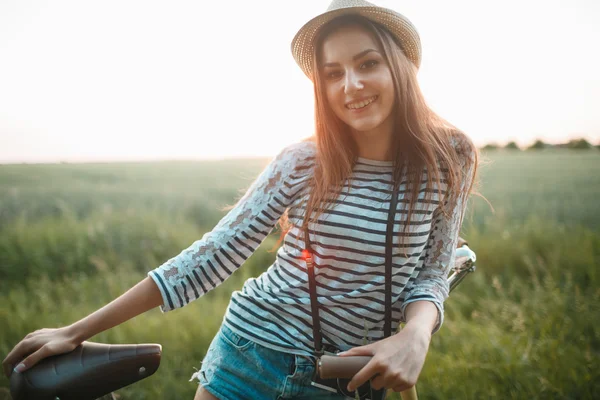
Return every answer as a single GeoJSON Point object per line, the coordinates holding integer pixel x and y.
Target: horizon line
{"type": "Point", "coordinates": [553, 146]}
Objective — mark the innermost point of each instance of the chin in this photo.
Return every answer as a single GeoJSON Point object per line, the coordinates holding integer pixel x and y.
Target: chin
{"type": "Point", "coordinates": [364, 127]}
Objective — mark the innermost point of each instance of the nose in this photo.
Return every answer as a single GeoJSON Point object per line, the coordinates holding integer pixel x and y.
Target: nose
{"type": "Point", "coordinates": [353, 82]}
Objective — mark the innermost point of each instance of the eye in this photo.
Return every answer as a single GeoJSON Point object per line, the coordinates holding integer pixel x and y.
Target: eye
{"type": "Point", "coordinates": [333, 74]}
{"type": "Point", "coordinates": [369, 64]}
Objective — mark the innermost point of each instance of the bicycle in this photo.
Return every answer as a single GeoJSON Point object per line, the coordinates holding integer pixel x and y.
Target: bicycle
{"type": "Point", "coordinates": [93, 371]}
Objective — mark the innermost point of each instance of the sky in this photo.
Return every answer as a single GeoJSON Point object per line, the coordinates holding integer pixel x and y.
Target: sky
{"type": "Point", "coordinates": [84, 81]}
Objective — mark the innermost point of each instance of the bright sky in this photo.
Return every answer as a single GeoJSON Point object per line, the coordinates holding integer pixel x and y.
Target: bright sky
{"type": "Point", "coordinates": [142, 79]}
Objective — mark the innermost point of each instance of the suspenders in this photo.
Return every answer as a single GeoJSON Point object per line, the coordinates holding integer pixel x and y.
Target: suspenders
{"type": "Point", "coordinates": [308, 255]}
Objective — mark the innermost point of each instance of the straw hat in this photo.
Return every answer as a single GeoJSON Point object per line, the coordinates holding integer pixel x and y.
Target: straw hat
{"type": "Point", "coordinates": [396, 23]}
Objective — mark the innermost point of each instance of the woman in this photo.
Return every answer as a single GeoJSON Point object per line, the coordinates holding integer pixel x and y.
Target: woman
{"type": "Point", "coordinates": [375, 136]}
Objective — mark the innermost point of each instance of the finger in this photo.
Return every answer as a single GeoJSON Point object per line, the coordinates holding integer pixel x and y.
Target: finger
{"type": "Point", "coordinates": [22, 349]}
{"type": "Point", "coordinates": [366, 373]}
{"type": "Point", "coordinates": [378, 382]}
{"type": "Point", "coordinates": [33, 359]}
{"type": "Point", "coordinates": [385, 380]}
{"type": "Point", "coordinates": [366, 350]}
{"type": "Point", "coordinates": [401, 388]}
{"type": "Point", "coordinates": [7, 368]}
{"type": "Point", "coordinates": [25, 347]}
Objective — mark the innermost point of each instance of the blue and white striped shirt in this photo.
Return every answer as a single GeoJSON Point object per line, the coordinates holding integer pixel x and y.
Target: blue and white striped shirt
{"type": "Point", "coordinates": [348, 248]}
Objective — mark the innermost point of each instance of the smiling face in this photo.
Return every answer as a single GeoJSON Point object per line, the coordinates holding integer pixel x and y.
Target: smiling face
{"type": "Point", "coordinates": [357, 81]}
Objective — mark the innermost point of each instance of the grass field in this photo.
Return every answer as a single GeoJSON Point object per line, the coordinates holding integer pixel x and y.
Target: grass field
{"type": "Point", "coordinates": [524, 326]}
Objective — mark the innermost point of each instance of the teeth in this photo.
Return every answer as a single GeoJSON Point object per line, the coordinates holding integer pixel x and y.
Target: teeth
{"type": "Point", "coordinates": [361, 104]}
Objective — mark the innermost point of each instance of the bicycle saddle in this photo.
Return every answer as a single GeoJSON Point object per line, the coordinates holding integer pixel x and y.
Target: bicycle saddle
{"type": "Point", "coordinates": [88, 372]}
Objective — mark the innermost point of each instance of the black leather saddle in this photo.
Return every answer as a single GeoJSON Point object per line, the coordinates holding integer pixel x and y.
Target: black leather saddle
{"type": "Point", "coordinates": [90, 371]}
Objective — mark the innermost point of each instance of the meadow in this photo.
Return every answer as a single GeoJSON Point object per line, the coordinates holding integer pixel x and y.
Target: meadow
{"type": "Point", "coordinates": [523, 326]}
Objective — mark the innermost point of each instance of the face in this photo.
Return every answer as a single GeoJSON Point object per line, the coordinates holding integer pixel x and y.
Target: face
{"type": "Point", "coordinates": [357, 80]}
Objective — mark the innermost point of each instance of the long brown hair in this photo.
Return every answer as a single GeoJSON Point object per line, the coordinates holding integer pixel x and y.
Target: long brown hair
{"type": "Point", "coordinates": [425, 146]}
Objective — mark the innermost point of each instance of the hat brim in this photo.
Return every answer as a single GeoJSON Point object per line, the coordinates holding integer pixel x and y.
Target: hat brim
{"type": "Point", "coordinates": [398, 25]}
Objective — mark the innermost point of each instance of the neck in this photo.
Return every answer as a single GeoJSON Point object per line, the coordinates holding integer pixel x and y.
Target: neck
{"type": "Point", "coordinates": [375, 144]}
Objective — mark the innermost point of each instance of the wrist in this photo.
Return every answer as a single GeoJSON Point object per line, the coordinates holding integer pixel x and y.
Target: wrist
{"type": "Point", "coordinates": [418, 330]}
{"type": "Point", "coordinates": [76, 333]}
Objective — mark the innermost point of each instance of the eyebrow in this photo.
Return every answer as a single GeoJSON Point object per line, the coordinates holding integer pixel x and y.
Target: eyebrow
{"type": "Point", "coordinates": [356, 57]}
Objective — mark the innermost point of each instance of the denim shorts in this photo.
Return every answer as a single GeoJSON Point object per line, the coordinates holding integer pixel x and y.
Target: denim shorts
{"type": "Point", "coordinates": [236, 368]}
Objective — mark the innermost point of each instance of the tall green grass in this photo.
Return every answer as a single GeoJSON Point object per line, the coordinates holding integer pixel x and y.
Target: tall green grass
{"type": "Point", "coordinates": [523, 326]}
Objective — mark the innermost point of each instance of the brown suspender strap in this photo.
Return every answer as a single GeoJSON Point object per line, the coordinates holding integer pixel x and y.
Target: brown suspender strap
{"type": "Point", "coordinates": [312, 288]}
{"type": "Point", "coordinates": [312, 284]}
{"type": "Point", "coordinates": [314, 305]}
{"type": "Point", "coordinates": [389, 242]}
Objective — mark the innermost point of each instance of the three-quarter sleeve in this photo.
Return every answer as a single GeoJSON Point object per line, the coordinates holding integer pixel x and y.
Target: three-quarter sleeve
{"type": "Point", "coordinates": [212, 259]}
{"type": "Point", "coordinates": [431, 283]}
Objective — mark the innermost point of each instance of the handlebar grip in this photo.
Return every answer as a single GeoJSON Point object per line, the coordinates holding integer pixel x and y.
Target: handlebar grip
{"type": "Point", "coordinates": [340, 367]}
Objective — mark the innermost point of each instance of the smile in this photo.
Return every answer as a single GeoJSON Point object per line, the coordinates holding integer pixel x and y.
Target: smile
{"type": "Point", "coordinates": [361, 104]}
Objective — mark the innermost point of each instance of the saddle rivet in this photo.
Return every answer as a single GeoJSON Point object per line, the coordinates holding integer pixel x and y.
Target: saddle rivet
{"type": "Point", "coordinates": [142, 370]}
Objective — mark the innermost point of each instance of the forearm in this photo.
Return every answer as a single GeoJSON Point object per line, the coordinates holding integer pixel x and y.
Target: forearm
{"type": "Point", "coordinates": [421, 315]}
{"type": "Point", "coordinates": [137, 300]}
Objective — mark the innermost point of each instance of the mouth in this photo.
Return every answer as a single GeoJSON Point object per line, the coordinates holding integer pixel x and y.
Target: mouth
{"type": "Point", "coordinates": [361, 104]}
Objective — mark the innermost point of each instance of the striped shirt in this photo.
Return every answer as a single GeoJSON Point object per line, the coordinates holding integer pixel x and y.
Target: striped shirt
{"type": "Point", "coordinates": [348, 244]}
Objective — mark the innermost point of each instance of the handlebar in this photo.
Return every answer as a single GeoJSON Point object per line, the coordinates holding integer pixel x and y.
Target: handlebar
{"type": "Point", "coordinates": [340, 367]}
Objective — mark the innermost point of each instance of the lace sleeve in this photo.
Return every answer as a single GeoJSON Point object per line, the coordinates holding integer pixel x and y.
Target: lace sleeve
{"type": "Point", "coordinates": [431, 283]}
{"type": "Point", "coordinates": [211, 260]}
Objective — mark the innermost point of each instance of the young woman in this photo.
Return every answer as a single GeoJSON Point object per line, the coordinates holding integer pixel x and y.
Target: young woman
{"type": "Point", "coordinates": [375, 137]}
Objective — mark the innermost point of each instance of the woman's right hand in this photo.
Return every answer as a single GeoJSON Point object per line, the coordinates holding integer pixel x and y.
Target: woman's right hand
{"type": "Point", "coordinates": [37, 346]}
{"type": "Point", "coordinates": [49, 342]}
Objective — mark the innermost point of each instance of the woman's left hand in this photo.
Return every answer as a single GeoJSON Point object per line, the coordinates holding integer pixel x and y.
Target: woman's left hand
{"type": "Point", "coordinates": [397, 360]}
